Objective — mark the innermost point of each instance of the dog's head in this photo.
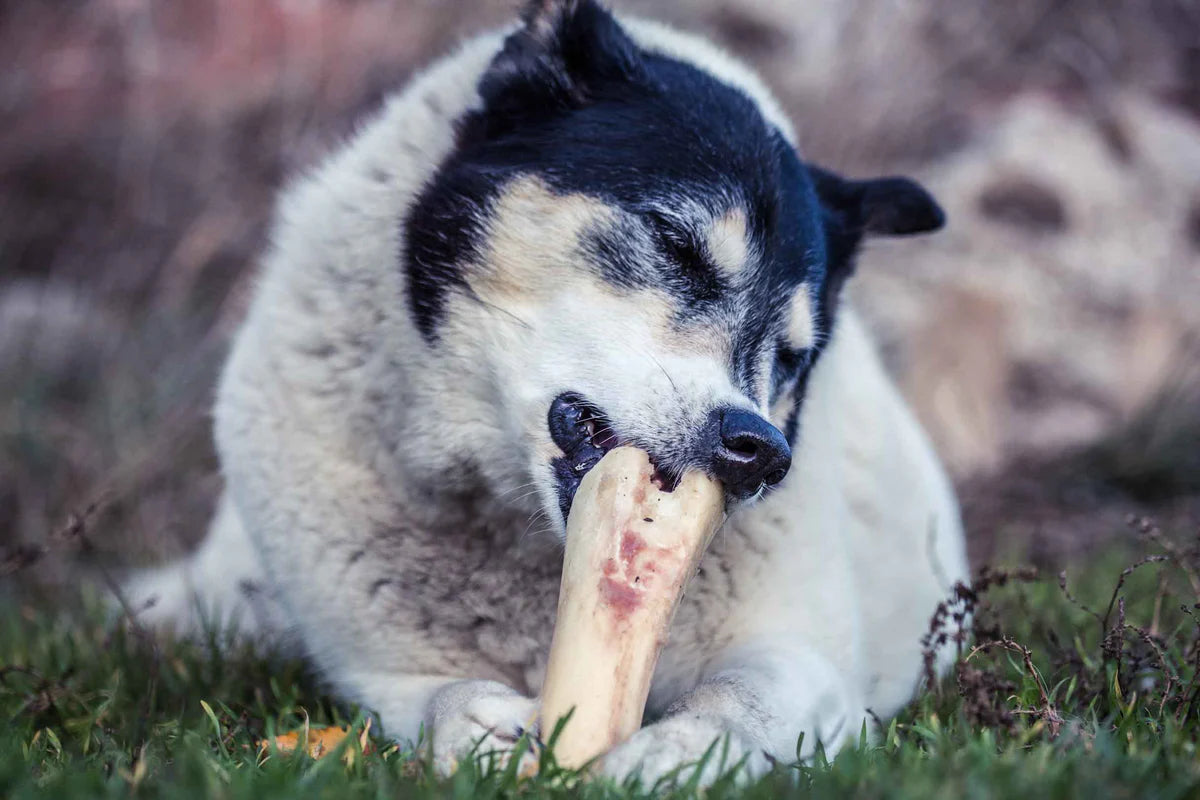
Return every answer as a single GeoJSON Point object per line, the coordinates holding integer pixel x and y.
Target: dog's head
{"type": "Point", "coordinates": [630, 252]}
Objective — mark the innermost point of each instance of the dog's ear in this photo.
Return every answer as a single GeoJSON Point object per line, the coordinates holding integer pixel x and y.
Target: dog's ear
{"type": "Point", "coordinates": [878, 206]}
{"type": "Point", "coordinates": [562, 53]}
{"type": "Point", "coordinates": [853, 209]}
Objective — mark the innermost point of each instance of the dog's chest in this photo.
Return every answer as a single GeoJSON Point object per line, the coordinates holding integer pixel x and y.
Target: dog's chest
{"type": "Point", "coordinates": [485, 605]}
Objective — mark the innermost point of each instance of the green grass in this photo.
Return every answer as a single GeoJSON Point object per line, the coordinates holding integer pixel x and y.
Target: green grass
{"type": "Point", "coordinates": [1108, 710]}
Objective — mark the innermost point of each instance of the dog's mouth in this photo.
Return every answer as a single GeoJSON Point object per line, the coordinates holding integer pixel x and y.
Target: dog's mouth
{"type": "Point", "coordinates": [584, 433]}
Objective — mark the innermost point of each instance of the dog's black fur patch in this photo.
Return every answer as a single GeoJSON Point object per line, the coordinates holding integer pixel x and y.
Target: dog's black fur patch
{"type": "Point", "coordinates": [588, 111]}
{"type": "Point", "coordinates": [573, 100]}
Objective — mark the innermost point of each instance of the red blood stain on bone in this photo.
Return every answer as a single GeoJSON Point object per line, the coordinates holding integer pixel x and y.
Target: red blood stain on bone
{"type": "Point", "coordinates": [617, 587]}
{"type": "Point", "coordinates": [631, 545]}
{"type": "Point", "coordinates": [621, 598]}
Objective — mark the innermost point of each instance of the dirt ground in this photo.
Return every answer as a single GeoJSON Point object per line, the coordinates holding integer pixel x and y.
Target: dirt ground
{"type": "Point", "coordinates": [1049, 338]}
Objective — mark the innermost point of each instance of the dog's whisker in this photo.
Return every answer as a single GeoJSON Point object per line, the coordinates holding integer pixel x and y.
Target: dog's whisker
{"type": "Point", "coordinates": [517, 488]}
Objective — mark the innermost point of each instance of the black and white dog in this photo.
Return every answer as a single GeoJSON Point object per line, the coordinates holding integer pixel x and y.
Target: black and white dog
{"type": "Point", "coordinates": [581, 231]}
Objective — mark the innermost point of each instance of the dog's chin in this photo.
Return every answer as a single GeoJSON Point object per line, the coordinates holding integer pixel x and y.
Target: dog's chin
{"type": "Point", "coordinates": [556, 520]}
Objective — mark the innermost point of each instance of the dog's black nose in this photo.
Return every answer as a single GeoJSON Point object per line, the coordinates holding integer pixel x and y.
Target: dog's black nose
{"type": "Point", "coordinates": [747, 451]}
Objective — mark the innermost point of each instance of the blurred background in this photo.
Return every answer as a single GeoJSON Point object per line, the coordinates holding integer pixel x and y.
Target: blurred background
{"type": "Point", "coordinates": [1049, 338]}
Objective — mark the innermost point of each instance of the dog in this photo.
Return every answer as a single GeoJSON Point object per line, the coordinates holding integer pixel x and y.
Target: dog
{"type": "Point", "coordinates": [578, 232]}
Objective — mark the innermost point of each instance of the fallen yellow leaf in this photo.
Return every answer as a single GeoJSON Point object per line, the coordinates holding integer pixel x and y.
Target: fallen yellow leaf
{"type": "Point", "coordinates": [317, 742]}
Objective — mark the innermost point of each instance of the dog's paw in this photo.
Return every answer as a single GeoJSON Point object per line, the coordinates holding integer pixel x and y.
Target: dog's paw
{"type": "Point", "coordinates": [473, 719]}
{"type": "Point", "coordinates": [674, 747]}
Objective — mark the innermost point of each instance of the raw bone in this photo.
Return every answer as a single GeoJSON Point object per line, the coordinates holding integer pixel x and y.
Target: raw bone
{"type": "Point", "coordinates": [631, 549]}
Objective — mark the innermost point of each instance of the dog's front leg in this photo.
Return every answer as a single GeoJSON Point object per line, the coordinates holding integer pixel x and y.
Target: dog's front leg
{"type": "Point", "coordinates": [453, 719]}
{"type": "Point", "coordinates": [478, 718]}
{"type": "Point", "coordinates": [755, 702]}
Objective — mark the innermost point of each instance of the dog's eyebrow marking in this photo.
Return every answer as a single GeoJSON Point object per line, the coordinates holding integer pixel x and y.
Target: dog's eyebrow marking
{"type": "Point", "coordinates": [726, 242]}
{"type": "Point", "coordinates": [533, 231]}
{"type": "Point", "coordinates": [801, 330]}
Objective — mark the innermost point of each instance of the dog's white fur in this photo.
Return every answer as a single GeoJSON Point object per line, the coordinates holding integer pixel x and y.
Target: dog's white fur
{"type": "Point", "coordinates": [426, 597]}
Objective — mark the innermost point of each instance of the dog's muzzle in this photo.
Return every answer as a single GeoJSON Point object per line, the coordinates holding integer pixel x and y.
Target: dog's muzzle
{"type": "Point", "coordinates": [738, 447]}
